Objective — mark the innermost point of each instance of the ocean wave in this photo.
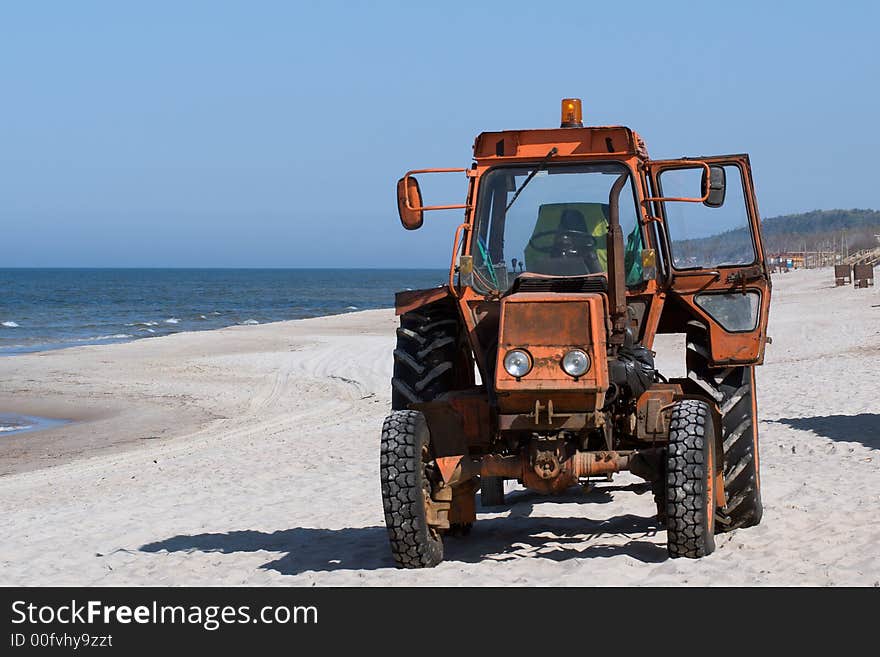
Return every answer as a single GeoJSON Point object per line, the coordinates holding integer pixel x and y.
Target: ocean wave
{"type": "Point", "coordinates": [98, 338]}
{"type": "Point", "coordinates": [351, 307]}
{"type": "Point", "coordinates": [143, 324]}
{"type": "Point", "coordinates": [115, 336]}
{"type": "Point", "coordinates": [9, 324]}
{"type": "Point", "coordinates": [248, 322]}
{"type": "Point", "coordinates": [172, 320]}
{"type": "Point", "coordinates": [202, 317]}
{"type": "Point", "coordinates": [147, 330]}
{"type": "Point", "coordinates": [14, 427]}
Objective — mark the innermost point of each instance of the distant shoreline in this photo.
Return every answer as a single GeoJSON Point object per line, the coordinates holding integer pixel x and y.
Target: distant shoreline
{"type": "Point", "coordinates": [49, 309]}
{"type": "Point", "coordinates": [7, 352]}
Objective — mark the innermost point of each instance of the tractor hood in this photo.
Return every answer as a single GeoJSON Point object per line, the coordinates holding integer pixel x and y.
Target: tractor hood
{"type": "Point", "coordinates": [536, 333]}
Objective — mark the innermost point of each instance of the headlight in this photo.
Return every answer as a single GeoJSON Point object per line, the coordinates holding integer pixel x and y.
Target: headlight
{"type": "Point", "coordinates": [576, 362]}
{"type": "Point", "coordinates": [517, 362]}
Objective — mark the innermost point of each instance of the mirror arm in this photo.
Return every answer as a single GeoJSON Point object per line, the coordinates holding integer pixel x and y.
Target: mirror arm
{"type": "Point", "coordinates": [705, 196]}
{"type": "Point", "coordinates": [460, 206]}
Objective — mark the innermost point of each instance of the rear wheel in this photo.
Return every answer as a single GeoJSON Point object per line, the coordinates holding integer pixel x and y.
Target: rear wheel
{"type": "Point", "coordinates": [406, 490]}
{"type": "Point", "coordinates": [733, 389]}
{"type": "Point", "coordinates": [690, 498]}
{"type": "Point", "coordinates": [431, 356]}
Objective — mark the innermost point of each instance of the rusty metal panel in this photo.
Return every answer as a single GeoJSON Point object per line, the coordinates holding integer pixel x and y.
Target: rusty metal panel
{"type": "Point", "coordinates": [565, 402]}
{"type": "Point", "coordinates": [559, 421]}
{"type": "Point", "coordinates": [652, 422]}
{"type": "Point", "coordinates": [463, 511]}
{"type": "Point", "coordinates": [457, 421]}
{"type": "Point", "coordinates": [842, 274]}
{"type": "Point", "coordinates": [547, 326]}
{"type": "Point", "coordinates": [545, 323]}
{"type": "Point", "coordinates": [476, 418]}
{"type": "Point", "coordinates": [412, 299]}
{"type": "Point", "coordinates": [604, 141]}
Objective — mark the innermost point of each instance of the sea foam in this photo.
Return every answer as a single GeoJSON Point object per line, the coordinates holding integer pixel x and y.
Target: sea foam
{"type": "Point", "coordinates": [14, 427]}
{"type": "Point", "coordinates": [9, 324]}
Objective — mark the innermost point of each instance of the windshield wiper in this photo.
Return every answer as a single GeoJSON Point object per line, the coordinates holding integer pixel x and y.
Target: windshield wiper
{"type": "Point", "coordinates": [552, 152]}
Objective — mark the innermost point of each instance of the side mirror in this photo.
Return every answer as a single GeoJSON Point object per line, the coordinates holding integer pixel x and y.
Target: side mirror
{"type": "Point", "coordinates": [715, 187]}
{"type": "Point", "coordinates": [409, 203]}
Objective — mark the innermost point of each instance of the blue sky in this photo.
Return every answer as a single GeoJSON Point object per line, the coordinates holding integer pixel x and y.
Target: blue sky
{"type": "Point", "coordinates": [272, 134]}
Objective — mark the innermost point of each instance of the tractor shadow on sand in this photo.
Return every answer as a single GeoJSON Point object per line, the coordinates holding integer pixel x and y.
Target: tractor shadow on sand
{"type": "Point", "coordinates": [517, 535]}
{"type": "Point", "coordinates": [862, 428]}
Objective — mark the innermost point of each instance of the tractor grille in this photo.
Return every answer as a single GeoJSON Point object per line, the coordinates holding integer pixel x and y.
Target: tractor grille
{"type": "Point", "coordinates": [569, 284]}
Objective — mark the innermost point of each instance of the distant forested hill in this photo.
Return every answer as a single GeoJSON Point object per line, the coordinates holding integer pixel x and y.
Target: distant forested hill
{"type": "Point", "coordinates": [819, 230]}
{"type": "Point", "coordinates": [822, 229]}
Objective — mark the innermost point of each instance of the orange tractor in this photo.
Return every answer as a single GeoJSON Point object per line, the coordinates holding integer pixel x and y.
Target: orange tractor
{"type": "Point", "coordinates": [535, 363]}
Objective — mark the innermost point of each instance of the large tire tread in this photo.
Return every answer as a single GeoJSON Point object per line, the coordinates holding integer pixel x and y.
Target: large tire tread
{"type": "Point", "coordinates": [404, 486]}
{"type": "Point", "coordinates": [733, 389]}
{"type": "Point", "coordinates": [689, 529]}
{"type": "Point", "coordinates": [429, 346]}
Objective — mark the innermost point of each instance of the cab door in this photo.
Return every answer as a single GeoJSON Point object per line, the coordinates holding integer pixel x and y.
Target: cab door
{"type": "Point", "coordinates": [714, 256]}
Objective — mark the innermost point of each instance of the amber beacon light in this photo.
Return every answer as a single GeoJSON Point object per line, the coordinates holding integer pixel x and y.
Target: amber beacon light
{"type": "Point", "coordinates": [572, 114]}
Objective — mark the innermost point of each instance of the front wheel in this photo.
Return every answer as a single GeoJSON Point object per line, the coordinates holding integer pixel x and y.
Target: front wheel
{"type": "Point", "coordinates": [690, 494]}
{"type": "Point", "coordinates": [406, 490]}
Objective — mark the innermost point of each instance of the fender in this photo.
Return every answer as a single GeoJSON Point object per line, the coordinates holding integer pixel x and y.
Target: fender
{"type": "Point", "coordinates": [413, 299]}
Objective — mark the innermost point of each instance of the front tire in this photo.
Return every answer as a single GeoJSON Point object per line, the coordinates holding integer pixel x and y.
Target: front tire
{"type": "Point", "coordinates": [406, 490]}
{"type": "Point", "coordinates": [690, 496]}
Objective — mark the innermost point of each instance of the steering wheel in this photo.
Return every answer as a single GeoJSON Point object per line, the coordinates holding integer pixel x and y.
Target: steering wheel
{"type": "Point", "coordinates": [578, 237]}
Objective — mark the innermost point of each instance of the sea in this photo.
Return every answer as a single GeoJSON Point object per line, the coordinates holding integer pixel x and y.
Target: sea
{"type": "Point", "coordinates": [43, 309]}
{"type": "Point", "coordinates": [11, 424]}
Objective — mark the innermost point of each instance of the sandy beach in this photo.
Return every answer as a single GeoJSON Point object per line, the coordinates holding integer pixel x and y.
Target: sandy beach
{"type": "Point", "coordinates": [249, 456]}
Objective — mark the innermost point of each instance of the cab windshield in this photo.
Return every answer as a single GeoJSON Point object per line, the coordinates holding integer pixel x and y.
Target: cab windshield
{"type": "Point", "coordinates": [557, 225]}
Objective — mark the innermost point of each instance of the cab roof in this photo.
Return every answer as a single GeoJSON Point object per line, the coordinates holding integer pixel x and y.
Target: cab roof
{"type": "Point", "coordinates": [516, 145]}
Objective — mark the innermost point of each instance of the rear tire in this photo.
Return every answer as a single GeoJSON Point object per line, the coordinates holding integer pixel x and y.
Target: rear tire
{"type": "Point", "coordinates": [733, 389]}
{"type": "Point", "coordinates": [690, 499]}
{"type": "Point", "coordinates": [491, 491]}
{"type": "Point", "coordinates": [406, 489]}
{"type": "Point", "coordinates": [431, 356]}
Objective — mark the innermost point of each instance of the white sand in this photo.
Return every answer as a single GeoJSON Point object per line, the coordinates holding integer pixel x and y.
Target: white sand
{"type": "Point", "coordinates": [249, 455]}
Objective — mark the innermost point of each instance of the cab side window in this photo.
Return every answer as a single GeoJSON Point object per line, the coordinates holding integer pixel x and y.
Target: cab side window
{"type": "Point", "coordinates": [702, 236]}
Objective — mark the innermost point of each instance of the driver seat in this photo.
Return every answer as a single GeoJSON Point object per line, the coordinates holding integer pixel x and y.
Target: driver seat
{"type": "Point", "coordinates": [549, 217]}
